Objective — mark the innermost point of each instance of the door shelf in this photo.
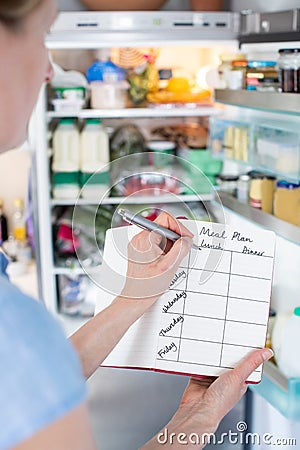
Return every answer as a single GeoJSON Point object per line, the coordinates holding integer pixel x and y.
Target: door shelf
{"type": "Point", "coordinates": [280, 227]}
{"type": "Point", "coordinates": [281, 102]}
{"type": "Point", "coordinates": [131, 113]}
{"type": "Point", "coordinates": [134, 200]}
{"type": "Point", "coordinates": [279, 391]}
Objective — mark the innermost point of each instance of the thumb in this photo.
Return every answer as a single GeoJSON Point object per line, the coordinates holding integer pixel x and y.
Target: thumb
{"type": "Point", "coordinates": [178, 251]}
{"type": "Point", "coordinates": [228, 389]}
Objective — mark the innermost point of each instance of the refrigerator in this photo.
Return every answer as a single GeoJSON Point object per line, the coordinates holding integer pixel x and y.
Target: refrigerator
{"type": "Point", "coordinates": [129, 407]}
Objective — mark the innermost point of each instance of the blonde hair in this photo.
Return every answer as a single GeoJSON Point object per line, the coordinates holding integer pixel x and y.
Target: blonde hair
{"type": "Point", "coordinates": [12, 12]}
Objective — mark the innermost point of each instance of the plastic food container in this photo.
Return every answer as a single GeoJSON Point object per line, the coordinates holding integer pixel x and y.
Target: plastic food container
{"type": "Point", "coordinates": [108, 95]}
{"type": "Point", "coordinates": [147, 183]}
{"type": "Point", "coordinates": [70, 93]}
{"type": "Point", "coordinates": [69, 99]}
{"type": "Point", "coordinates": [162, 152]}
{"type": "Point", "coordinates": [94, 185]}
{"type": "Point", "coordinates": [66, 105]}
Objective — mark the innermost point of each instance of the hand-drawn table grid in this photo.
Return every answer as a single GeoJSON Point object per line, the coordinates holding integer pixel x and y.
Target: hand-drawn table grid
{"type": "Point", "coordinates": [225, 311]}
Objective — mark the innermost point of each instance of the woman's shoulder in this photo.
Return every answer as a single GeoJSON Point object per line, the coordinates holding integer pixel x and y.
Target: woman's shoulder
{"type": "Point", "coordinates": [40, 372]}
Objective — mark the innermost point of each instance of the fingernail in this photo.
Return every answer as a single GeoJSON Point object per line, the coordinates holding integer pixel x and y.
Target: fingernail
{"type": "Point", "coordinates": [267, 354]}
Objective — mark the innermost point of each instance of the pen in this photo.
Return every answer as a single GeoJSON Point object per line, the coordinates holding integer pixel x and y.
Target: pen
{"type": "Point", "coordinates": [146, 224]}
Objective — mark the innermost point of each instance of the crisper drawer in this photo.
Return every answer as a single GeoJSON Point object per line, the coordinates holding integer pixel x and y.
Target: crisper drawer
{"type": "Point", "coordinates": [277, 150]}
{"type": "Point", "coordinates": [268, 144]}
{"type": "Point", "coordinates": [229, 139]}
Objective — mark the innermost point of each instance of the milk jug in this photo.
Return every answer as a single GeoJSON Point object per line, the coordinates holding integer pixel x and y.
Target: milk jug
{"type": "Point", "coordinates": [66, 155]}
{"type": "Point", "coordinates": [94, 159]}
{"type": "Point", "coordinates": [66, 147]}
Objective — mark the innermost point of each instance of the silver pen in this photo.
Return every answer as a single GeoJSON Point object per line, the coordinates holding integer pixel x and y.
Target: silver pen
{"type": "Point", "coordinates": [146, 224]}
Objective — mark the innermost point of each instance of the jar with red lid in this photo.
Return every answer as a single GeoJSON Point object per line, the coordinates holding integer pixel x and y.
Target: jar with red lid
{"type": "Point", "coordinates": [240, 67]}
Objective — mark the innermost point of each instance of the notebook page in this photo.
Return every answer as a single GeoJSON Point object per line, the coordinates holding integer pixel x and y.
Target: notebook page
{"type": "Point", "coordinates": [137, 348]}
{"type": "Point", "coordinates": [216, 311]}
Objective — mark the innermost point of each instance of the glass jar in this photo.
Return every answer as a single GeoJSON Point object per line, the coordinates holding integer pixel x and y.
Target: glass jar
{"type": "Point", "coordinates": [225, 68]}
{"type": "Point", "coordinates": [289, 69]}
{"type": "Point", "coordinates": [255, 193]}
{"type": "Point", "coordinates": [238, 75]}
{"type": "Point", "coordinates": [227, 183]}
{"type": "Point", "coordinates": [243, 185]}
{"type": "Point", "coordinates": [261, 193]}
{"type": "Point", "coordinates": [287, 202]}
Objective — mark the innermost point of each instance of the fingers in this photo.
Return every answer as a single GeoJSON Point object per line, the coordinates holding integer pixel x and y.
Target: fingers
{"type": "Point", "coordinates": [168, 221]}
{"type": "Point", "coordinates": [178, 251]}
{"type": "Point", "coordinates": [227, 390]}
{"type": "Point", "coordinates": [251, 363]}
{"type": "Point", "coordinates": [145, 247]}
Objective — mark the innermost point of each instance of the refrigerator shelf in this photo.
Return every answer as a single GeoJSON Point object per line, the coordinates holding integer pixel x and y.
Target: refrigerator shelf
{"type": "Point", "coordinates": [135, 200]}
{"type": "Point", "coordinates": [280, 227]}
{"type": "Point", "coordinates": [281, 102]}
{"type": "Point", "coordinates": [279, 391]}
{"type": "Point", "coordinates": [135, 113]}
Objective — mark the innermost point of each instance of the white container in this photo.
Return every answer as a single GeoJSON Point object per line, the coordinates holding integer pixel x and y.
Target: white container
{"type": "Point", "coordinates": [95, 192]}
{"type": "Point", "coordinates": [108, 95]}
{"type": "Point", "coordinates": [94, 147]}
{"type": "Point", "coordinates": [276, 336]}
{"type": "Point", "coordinates": [65, 192]}
{"type": "Point", "coordinates": [289, 354]}
{"type": "Point", "coordinates": [66, 105]}
{"type": "Point", "coordinates": [66, 147]}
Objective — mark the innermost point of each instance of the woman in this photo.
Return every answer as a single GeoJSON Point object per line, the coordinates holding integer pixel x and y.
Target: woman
{"type": "Point", "coordinates": [43, 397]}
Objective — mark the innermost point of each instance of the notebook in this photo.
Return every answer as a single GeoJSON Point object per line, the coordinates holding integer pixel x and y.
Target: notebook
{"type": "Point", "coordinates": [216, 308]}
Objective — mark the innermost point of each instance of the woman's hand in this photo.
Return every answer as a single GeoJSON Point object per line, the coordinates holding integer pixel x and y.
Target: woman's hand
{"type": "Point", "coordinates": [206, 401]}
{"type": "Point", "coordinates": [152, 262]}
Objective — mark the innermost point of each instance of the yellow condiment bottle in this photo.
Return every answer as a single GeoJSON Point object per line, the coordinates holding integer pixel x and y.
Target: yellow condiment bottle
{"type": "Point", "coordinates": [19, 222]}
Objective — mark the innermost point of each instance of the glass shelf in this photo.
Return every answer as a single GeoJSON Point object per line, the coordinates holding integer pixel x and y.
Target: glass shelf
{"type": "Point", "coordinates": [279, 391]}
{"type": "Point", "coordinates": [281, 102]}
{"type": "Point", "coordinates": [134, 200]}
{"type": "Point", "coordinates": [280, 227]}
{"type": "Point", "coordinates": [131, 113]}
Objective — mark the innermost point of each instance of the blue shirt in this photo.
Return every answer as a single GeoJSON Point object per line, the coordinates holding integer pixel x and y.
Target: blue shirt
{"type": "Point", "coordinates": [40, 376]}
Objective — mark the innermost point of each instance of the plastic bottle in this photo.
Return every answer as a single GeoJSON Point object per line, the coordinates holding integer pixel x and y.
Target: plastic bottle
{"type": "Point", "coordinates": [3, 224]}
{"type": "Point", "coordinates": [66, 156]}
{"type": "Point", "coordinates": [19, 222]}
{"type": "Point", "coordinates": [94, 159]}
{"type": "Point", "coordinates": [289, 361]}
{"type": "Point", "coordinates": [66, 147]}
